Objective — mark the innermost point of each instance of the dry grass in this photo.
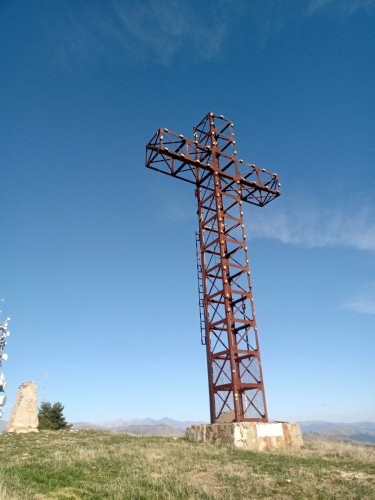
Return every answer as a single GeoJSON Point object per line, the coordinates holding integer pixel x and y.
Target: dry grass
{"type": "Point", "coordinates": [328, 450]}
{"type": "Point", "coordinates": [97, 465]}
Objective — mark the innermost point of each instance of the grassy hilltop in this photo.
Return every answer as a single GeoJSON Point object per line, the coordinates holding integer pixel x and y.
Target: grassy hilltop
{"type": "Point", "coordinates": [99, 465]}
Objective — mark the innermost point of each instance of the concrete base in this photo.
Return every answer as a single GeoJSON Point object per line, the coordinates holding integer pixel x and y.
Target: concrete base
{"type": "Point", "coordinates": [248, 435]}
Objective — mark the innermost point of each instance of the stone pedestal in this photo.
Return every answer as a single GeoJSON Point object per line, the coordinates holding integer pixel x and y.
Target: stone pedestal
{"type": "Point", "coordinates": [24, 416]}
{"type": "Point", "coordinates": [248, 435]}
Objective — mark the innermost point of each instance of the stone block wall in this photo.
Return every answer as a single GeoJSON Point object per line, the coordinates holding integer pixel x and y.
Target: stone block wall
{"type": "Point", "coordinates": [248, 435]}
{"type": "Point", "coordinates": [24, 416]}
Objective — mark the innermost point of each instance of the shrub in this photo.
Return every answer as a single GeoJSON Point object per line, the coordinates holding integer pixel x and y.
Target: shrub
{"type": "Point", "coordinates": [51, 416]}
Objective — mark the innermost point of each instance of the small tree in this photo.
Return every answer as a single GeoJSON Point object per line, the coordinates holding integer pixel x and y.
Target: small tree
{"type": "Point", "coordinates": [51, 417]}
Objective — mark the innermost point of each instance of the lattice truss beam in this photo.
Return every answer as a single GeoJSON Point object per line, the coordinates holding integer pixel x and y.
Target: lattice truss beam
{"type": "Point", "coordinates": [223, 183]}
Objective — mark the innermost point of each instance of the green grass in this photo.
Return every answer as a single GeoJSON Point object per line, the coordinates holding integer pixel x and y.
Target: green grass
{"type": "Point", "coordinates": [100, 465]}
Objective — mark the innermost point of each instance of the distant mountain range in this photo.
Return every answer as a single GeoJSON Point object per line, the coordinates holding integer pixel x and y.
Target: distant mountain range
{"type": "Point", "coordinates": [362, 432]}
{"type": "Point", "coordinates": [140, 426]}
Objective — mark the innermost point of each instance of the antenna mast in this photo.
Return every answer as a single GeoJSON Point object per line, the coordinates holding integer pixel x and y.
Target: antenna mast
{"type": "Point", "coordinates": [4, 333]}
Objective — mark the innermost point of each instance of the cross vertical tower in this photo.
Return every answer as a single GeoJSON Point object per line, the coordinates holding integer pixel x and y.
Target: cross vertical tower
{"type": "Point", "coordinates": [222, 183]}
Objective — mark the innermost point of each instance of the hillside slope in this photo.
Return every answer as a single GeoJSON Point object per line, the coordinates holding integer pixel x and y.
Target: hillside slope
{"type": "Point", "coordinates": [99, 465]}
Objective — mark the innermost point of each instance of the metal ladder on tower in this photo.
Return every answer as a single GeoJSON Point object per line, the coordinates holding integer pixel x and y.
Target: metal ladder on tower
{"type": "Point", "coordinates": [202, 322]}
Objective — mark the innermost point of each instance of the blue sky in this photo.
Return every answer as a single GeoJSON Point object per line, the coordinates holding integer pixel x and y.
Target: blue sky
{"type": "Point", "coordinates": [98, 258]}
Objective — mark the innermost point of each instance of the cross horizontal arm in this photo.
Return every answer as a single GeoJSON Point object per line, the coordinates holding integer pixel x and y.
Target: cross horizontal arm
{"type": "Point", "coordinates": [191, 161]}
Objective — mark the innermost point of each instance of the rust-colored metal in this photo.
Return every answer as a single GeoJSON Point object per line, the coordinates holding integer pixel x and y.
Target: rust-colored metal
{"type": "Point", "coordinates": [228, 321]}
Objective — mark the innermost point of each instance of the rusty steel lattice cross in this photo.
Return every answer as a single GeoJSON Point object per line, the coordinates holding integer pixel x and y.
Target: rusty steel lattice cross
{"type": "Point", "coordinates": [228, 323]}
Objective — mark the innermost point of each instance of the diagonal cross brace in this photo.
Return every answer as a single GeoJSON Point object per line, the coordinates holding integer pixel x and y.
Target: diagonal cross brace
{"type": "Point", "coordinates": [192, 161]}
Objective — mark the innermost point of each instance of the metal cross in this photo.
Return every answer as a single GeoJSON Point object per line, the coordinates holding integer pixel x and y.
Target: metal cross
{"type": "Point", "coordinates": [228, 324]}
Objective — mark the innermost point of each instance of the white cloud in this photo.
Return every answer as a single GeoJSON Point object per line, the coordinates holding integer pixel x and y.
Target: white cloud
{"type": "Point", "coordinates": [138, 30]}
{"type": "Point", "coordinates": [362, 305]}
{"type": "Point", "coordinates": [164, 31]}
{"type": "Point", "coordinates": [313, 226]}
{"type": "Point", "coordinates": [345, 7]}
{"type": "Point", "coordinates": [163, 27]}
{"type": "Point", "coordinates": [363, 301]}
